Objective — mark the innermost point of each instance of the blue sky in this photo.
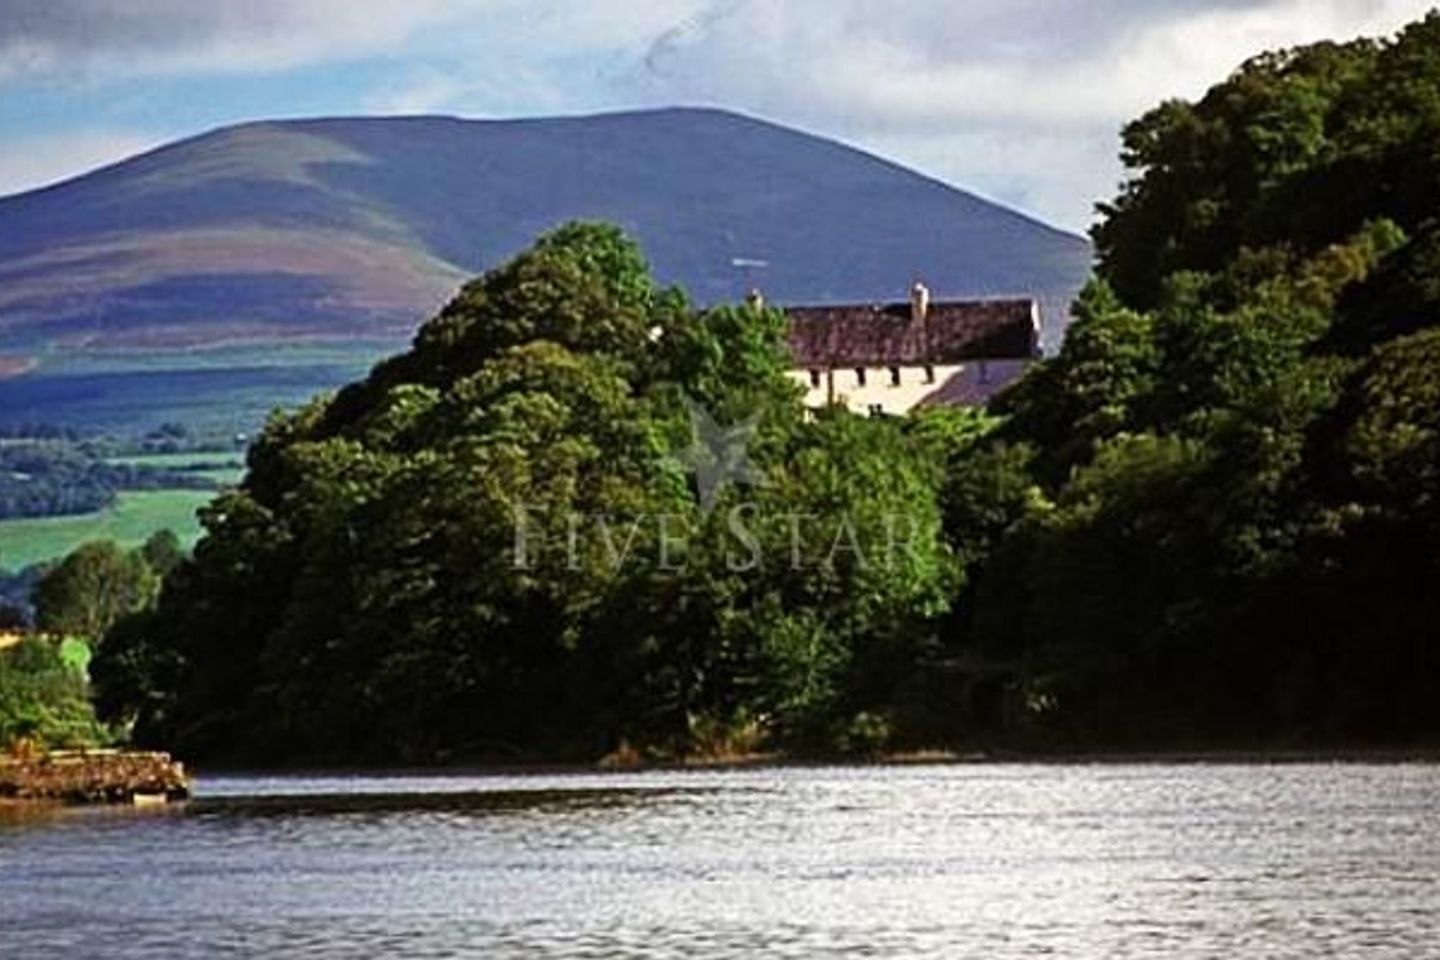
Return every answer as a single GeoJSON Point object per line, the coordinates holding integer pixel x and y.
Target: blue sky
{"type": "Point", "coordinates": [1018, 100]}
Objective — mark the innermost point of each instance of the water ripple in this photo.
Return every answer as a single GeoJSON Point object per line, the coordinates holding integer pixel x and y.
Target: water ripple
{"type": "Point", "coordinates": [985, 861]}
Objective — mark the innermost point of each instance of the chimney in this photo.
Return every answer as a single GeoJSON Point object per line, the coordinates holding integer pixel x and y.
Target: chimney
{"type": "Point", "coordinates": [919, 302]}
{"type": "Point", "coordinates": [755, 300]}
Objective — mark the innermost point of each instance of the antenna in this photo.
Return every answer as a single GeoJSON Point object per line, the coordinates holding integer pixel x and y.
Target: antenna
{"type": "Point", "coordinates": [747, 274]}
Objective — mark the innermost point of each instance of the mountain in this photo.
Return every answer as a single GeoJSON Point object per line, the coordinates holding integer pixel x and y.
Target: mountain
{"type": "Point", "coordinates": [338, 230]}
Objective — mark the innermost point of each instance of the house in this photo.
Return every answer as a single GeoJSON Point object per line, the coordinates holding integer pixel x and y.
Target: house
{"type": "Point", "coordinates": [890, 358]}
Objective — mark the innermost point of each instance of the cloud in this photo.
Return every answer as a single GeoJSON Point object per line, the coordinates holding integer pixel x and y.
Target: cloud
{"type": "Point", "coordinates": [519, 57]}
{"type": "Point", "coordinates": [1022, 99]}
{"type": "Point", "coordinates": [487, 57]}
{"type": "Point", "coordinates": [425, 90]}
{"type": "Point", "coordinates": [37, 161]}
{"type": "Point", "coordinates": [50, 38]}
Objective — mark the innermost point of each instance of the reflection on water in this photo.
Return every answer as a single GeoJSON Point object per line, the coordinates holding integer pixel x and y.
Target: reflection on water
{"type": "Point", "coordinates": [990, 861]}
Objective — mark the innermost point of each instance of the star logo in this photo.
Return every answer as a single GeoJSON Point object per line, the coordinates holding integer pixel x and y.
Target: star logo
{"type": "Point", "coordinates": [718, 456]}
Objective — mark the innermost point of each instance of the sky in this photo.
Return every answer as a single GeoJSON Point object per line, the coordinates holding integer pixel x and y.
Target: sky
{"type": "Point", "coordinates": [1020, 101]}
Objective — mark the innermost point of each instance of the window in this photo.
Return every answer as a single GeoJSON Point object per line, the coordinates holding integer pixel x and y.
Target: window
{"type": "Point", "coordinates": [859, 376]}
{"type": "Point", "coordinates": [894, 376]}
{"type": "Point", "coordinates": [929, 373]}
{"type": "Point", "coordinates": [815, 379]}
{"type": "Point", "coordinates": [877, 410]}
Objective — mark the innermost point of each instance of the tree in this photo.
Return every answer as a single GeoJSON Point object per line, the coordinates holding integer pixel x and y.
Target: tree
{"type": "Point", "coordinates": [507, 518]}
{"type": "Point", "coordinates": [1231, 171]}
{"type": "Point", "coordinates": [1093, 390]}
{"type": "Point", "coordinates": [1235, 442]}
{"type": "Point", "coordinates": [92, 588]}
{"type": "Point", "coordinates": [44, 700]}
{"type": "Point", "coordinates": [162, 552]}
{"type": "Point", "coordinates": [1296, 150]}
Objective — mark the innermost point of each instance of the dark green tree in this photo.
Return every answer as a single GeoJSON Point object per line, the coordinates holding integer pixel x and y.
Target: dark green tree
{"type": "Point", "coordinates": [92, 588]}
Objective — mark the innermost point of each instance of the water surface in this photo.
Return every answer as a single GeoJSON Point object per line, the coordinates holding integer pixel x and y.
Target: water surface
{"type": "Point", "coordinates": [958, 861]}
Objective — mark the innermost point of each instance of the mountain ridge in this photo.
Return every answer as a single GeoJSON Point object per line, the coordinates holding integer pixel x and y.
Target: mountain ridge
{"type": "Point", "coordinates": [277, 231]}
{"type": "Point", "coordinates": [639, 112]}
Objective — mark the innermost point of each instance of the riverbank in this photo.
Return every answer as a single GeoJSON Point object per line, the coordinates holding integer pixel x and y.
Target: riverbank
{"type": "Point", "coordinates": [913, 758]}
{"type": "Point", "coordinates": [1222, 755]}
{"type": "Point", "coordinates": [93, 777]}
{"type": "Point", "coordinates": [943, 757]}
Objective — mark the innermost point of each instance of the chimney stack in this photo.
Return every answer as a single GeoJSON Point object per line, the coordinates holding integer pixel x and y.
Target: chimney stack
{"type": "Point", "coordinates": [755, 300]}
{"type": "Point", "coordinates": [919, 302]}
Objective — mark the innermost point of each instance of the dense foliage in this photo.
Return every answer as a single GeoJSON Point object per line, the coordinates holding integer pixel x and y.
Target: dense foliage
{"type": "Point", "coordinates": [512, 541]}
{"type": "Point", "coordinates": [1211, 519]}
{"type": "Point", "coordinates": [1237, 444]}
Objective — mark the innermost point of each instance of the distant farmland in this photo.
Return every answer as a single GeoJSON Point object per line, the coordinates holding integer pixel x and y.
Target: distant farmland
{"type": "Point", "coordinates": [225, 468]}
{"type": "Point", "coordinates": [135, 516]}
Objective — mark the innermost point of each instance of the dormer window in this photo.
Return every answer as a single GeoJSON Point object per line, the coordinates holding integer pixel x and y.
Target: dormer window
{"type": "Point", "coordinates": [894, 376]}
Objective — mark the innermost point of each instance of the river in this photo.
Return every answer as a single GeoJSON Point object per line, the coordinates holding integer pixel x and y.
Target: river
{"type": "Point", "coordinates": [986, 861]}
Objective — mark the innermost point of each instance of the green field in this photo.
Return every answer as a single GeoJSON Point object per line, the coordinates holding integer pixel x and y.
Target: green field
{"type": "Point", "coordinates": [135, 516]}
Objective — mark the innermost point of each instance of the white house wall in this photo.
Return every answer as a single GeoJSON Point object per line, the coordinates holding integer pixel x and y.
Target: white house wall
{"type": "Point", "coordinates": [958, 384]}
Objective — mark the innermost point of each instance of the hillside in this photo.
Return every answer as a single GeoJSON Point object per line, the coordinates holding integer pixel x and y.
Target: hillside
{"type": "Point", "coordinates": [335, 230]}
